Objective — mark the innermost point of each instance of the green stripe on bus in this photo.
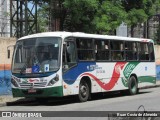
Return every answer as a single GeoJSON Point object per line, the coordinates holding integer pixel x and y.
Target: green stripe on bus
{"type": "Point", "coordinates": [125, 82]}
{"type": "Point", "coordinates": [129, 68]}
{"type": "Point", "coordinates": [149, 79]}
{"type": "Point", "coordinates": [141, 79]}
{"type": "Point", "coordinates": [44, 92]}
{"type": "Point", "coordinates": [127, 72]}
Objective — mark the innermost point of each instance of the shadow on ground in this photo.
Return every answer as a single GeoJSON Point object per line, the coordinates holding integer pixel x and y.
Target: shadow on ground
{"type": "Point", "coordinates": [64, 100]}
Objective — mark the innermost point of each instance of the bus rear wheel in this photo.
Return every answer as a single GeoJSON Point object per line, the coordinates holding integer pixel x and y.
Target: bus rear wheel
{"type": "Point", "coordinates": [133, 85]}
{"type": "Point", "coordinates": [84, 91]}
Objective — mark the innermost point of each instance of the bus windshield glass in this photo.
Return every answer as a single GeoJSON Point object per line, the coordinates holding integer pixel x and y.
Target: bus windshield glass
{"type": "Point", "coordinates": [36, 55]}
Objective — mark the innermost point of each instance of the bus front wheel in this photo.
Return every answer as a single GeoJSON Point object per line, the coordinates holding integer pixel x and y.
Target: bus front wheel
{"type": "Point", "coordinates": [133, 85]}
{"type": "Point", "coordinates": [83, 91]}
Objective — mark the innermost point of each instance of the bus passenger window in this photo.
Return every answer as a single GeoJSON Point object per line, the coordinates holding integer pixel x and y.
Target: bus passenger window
{"type": "Point", "coordinates": [151, 52]}
{"type": "Point", "coordinates": [117, 50]}
{"type": "Point", "coordinates": [69, 55]}
{"type": "Point", "coordinates": [70, 52]}
{"type": "Point", "coordinates": [85, 49]}
{"type": "Point", "coordinates": [131, 50]}
{"type": "Point", "coordinates": [102, 50]}
{"type": "Point", "coordinates": [143, 51]}
{"type": "Point", "coordinates": [116, 55]}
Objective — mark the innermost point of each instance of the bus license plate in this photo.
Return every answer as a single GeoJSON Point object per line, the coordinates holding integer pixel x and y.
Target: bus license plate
{"type": "Point", "coordinates": [32, 91]}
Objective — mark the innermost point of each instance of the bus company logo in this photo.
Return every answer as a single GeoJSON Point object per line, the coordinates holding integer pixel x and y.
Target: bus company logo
{"type": "Point", "coordinates": [91, 67]}
{"type": "Point", "coordinates": [33, 80]}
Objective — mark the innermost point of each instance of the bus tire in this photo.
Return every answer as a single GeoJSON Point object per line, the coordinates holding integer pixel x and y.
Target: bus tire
{"type": "Point", "coordinates": [84, 92]}
{"type": "Point", "coordinates": [133, 85]}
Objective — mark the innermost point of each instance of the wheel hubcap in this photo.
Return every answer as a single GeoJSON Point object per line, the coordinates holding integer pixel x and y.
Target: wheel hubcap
{"type": "Point", "coordinates": [133, 87]}
{"type": "Point", "coordinates": [83, 91]}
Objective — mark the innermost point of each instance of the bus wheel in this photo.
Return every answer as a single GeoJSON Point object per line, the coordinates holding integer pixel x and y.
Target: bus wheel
{"type": "Point", "coordinates": [133, 85]}
{"type": "Point", "coordinates": [83, 91]}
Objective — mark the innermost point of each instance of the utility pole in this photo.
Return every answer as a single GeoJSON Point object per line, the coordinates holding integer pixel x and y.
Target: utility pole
{"type": "Point", "coordinates": [23, 17]}
{"type": "Point", "coordinates": [56, 15]}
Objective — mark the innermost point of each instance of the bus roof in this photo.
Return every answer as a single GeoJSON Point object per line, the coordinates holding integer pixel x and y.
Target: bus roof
{"type": "Point", "coordinates": [85, 35]}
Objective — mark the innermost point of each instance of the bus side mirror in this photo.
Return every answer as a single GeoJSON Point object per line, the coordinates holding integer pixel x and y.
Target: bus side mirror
{"type": "Point", "coordinates": [8, 53]}
{"type": "Point", "coordinates": [65, 66]}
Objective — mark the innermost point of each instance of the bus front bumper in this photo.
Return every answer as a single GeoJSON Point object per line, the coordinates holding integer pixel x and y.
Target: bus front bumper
{"type": "Point", "coordinates": [41, 92]}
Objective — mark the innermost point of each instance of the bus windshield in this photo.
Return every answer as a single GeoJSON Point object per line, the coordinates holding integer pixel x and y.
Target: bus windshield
{"type": "Point", "coordinates": [36, 55]}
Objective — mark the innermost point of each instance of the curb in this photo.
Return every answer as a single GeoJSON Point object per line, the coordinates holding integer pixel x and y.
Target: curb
{"type": "Point", "coordinates": [15, 101]}
{"type": "Point", "coordinates": [3, 104]}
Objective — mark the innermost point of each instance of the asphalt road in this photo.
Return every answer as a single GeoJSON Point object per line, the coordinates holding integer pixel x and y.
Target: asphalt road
{"type": "Point", "coordinates": [148, 99]}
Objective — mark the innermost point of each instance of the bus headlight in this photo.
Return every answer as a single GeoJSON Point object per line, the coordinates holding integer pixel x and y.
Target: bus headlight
{"type": "Point", "coordinates": [54, 80]}
{"type": "Point", "coordinates": [14, 82]}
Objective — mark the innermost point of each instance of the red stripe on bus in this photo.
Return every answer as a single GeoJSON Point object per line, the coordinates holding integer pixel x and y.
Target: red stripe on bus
{"type": "Point", "coordinates": [115, 76]}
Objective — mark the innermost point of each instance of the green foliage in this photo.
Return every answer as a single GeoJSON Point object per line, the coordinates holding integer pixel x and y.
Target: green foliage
{"type": "Point", "coordinates": [80, 14]}
{"type": "Point", "coordinates": [138, 11]}
{"type": "Point", "coordinates": [43, 17]}
{"type": "Point", "coordinates": [136, 16]}
{"type": "Point", "coordinates": [99, 16]}
{"type": "Point", "coordinates": [109, 16]}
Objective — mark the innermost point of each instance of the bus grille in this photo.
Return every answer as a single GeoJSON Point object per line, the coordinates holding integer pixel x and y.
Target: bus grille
{"type": "Point", "coordinates": [33, 85]}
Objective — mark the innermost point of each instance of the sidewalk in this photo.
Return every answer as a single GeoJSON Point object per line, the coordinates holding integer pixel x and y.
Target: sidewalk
{"type": "Point", "coordinates": [7, 98]}
{"type": "Point", "coordinates": [4, 99]}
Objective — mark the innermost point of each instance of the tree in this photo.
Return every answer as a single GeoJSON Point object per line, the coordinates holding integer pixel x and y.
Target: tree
{"type": "Point", "coordinates": [49, 12]}
{"type": "Point", "coordinates": [109, 16]}
{"type": "Point", "coordinates": [99, 16]}
{"type": "Point", "coordinates": [43, 17]}
{"type": "Point", "coordinates": [80, 14]}
{"type": "Point", "coordinates": [138, 11]}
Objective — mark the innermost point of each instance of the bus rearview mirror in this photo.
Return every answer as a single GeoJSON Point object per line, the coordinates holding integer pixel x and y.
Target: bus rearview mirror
{"type": "Point", "coordinates": [65, 66]}
{"type": "Point", "coordinates": [8, 53]}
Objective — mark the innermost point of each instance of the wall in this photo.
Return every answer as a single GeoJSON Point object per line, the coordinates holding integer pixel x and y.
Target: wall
{"type": "Point", "coordinates": [5, 65]}
{"type": "Point", "coordinates": [157, 52]}
{"type": "Point", "coordinates": [5, 22]}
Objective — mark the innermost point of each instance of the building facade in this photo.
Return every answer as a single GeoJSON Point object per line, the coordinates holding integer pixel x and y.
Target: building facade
{"type": "Point", "coordinates": [4, 18]}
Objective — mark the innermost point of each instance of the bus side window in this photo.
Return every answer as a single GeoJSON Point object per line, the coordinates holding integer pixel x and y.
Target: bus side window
{"type": "Point", "coordinates": [117, 50]}
{"type": "Point", "coordinates": [85, 49]}
{"type": "Point", "coordinates": [131, 50]}
{"type": "Point", "coordinates": [69, 55]}
{"type": "Point", "coordinates": [151, 52]}
{"type": "Point", "coordinates": [102, 50]}
{"type": "Point", "coordinates": [144, 51]}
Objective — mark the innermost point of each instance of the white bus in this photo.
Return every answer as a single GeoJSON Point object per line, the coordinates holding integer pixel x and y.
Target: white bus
{"type": "Point", "coordinates": [56, 64]}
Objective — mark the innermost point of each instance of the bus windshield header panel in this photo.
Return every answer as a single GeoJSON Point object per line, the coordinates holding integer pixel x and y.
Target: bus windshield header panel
{"type": "Point", "coordinates": [37, 55]}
